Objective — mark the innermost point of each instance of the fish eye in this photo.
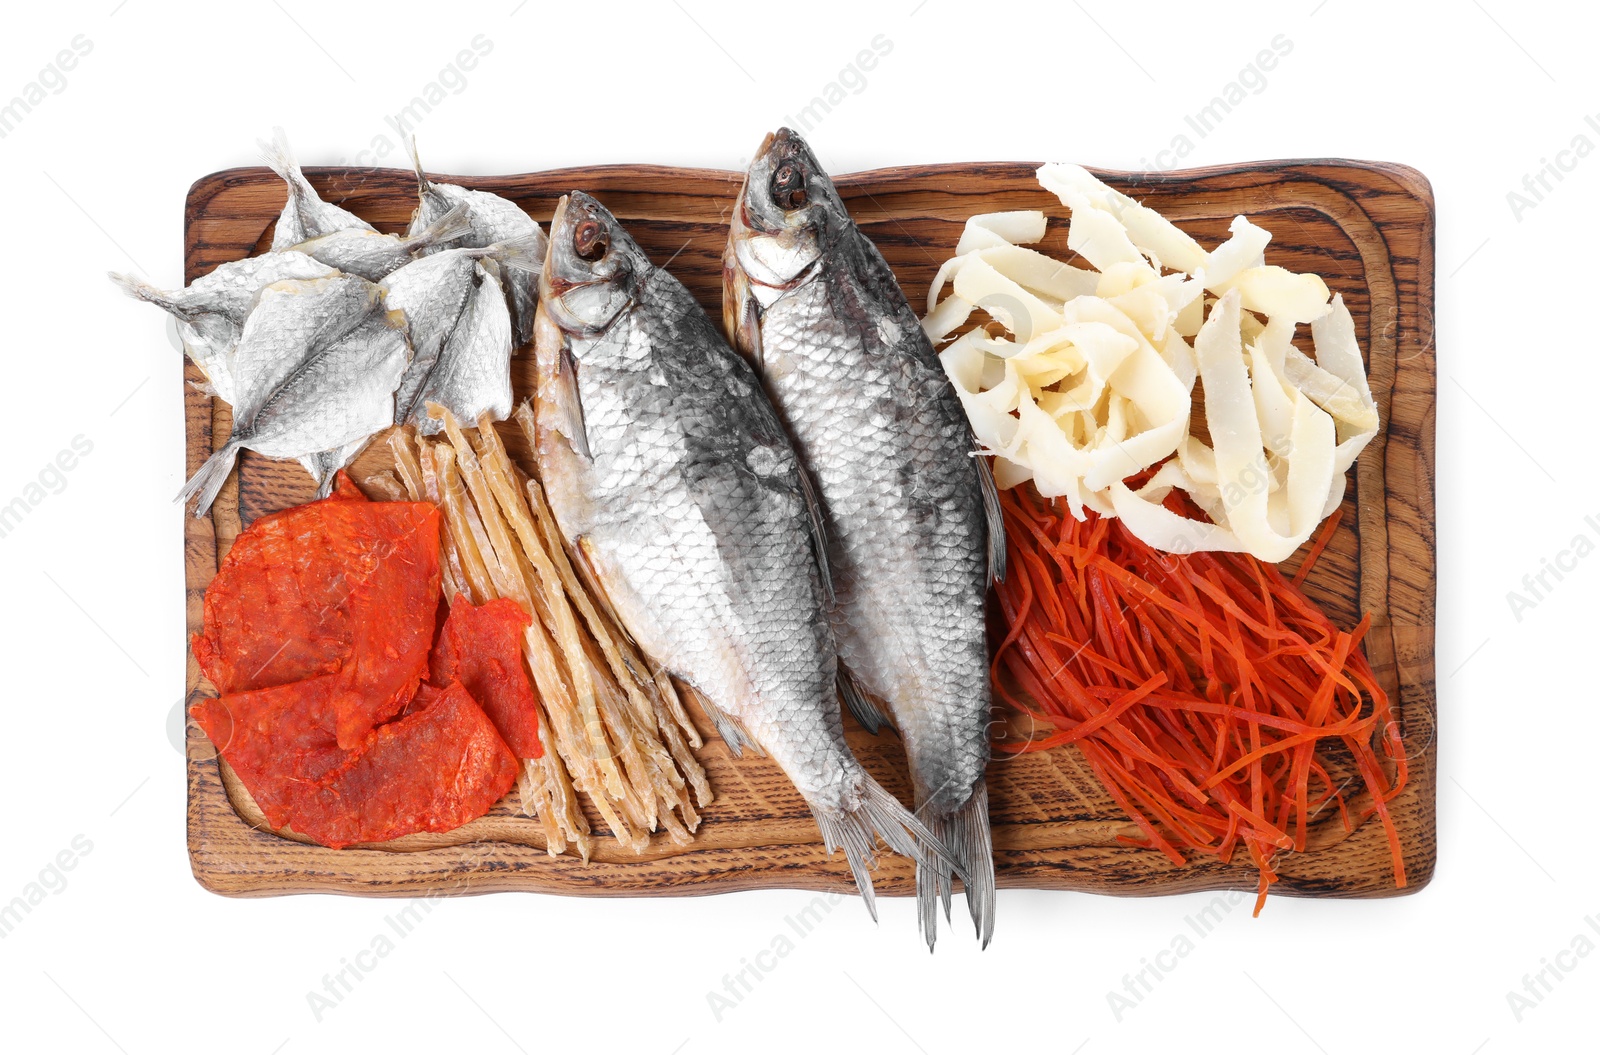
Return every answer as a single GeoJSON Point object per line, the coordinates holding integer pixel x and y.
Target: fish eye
{"type": "Point", "coordinates": [590, 240]}
{"type": "Point", "coordinates": [788, 186]}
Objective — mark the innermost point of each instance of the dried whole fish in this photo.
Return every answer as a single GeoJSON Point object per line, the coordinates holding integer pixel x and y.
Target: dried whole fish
{"type": "Point", "coordinates": [315, 369]}
{"type": "Point", "coordinates": [911, 517]}
{"type": "Point", "coordinates": [305, 215]}
{"type": "Point", "coordinates": [211, 310]}
{"type": "Point", "coordinates": [460, 330]}
{"type": "Point", "coordinates": [670, 472]}
{"type": "Point", "coordinates": [494, 219]}
{"type": "Point", "coordinates": [373, 256]}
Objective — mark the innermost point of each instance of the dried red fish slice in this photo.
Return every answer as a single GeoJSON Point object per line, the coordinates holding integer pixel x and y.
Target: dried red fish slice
{"type": "Point", "coordinates": [278, 740]}
{"type": "Point", "coordinates": [481, 647]}
{"type": "Point", "coordinates": [275, 612]}
{"type": "Point", "coordinates": [431, 771]}
{"type": "Point", "coordinates": [389, 554]}
{"type": "Point", "coordinates": [341, 587]}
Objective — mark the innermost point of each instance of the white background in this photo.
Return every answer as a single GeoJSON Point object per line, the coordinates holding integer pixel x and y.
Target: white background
{"type": "Point", "coordinates": [133, 955]}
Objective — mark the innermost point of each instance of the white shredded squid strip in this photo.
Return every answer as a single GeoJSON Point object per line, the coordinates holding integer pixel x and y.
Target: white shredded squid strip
{"type": "Point", "coordinates": [1093, 380]}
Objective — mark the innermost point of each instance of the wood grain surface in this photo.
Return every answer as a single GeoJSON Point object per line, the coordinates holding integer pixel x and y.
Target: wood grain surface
{"type": "Point", "coordinates": [1366, 228]}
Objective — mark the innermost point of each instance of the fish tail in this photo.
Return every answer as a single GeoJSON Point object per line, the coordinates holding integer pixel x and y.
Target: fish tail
{"type": "Point", "coordinates": [207, 480]}
{"type": "Point", "coordinates": [139, 289]}
{"type": "Point", "coordinates": [877, 815]}
{"type": "Point", "coordinates": [450, 226]}
{"type": "Point", "coordinates": [416, 163]}
{"type": "Point", "coordinates": [965, 831]}
{"type": "Point", "coordinates": [279, 158]}
{"type": "Point", "coordinates": [524, 252]}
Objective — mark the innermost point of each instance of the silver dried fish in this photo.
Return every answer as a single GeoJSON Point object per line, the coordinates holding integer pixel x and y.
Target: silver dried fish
{"type": "Point", "coordinates": [211, 310]}
{"type": "Point", "coordinates": [494, 219]}
{"type": "Point", "coordinates": [667, 467]}
{"type": "Point", "coordinates": [460, 330]}
{"type": "Point", "coordinates": [373, 256]}
{"type": "Point", "coordinates": [315, 369]}
{"type": "Point", "coordinates": [912, 518]}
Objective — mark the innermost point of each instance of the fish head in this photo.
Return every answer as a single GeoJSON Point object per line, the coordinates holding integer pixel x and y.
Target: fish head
{"type": "Point", "coordinates": [787, 213]}
{"type": "Point", "coordinates": [592, 267]}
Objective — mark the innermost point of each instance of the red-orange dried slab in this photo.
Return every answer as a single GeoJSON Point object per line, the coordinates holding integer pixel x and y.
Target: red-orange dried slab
{"type": "Point", "coordinates": [278, 740]}
{"type": "Point", "coordinates": [435, 769]}
{"type": "Point", "coordinates": [276, 611]}
{"type": "Point", "coordinates": [390, 555]}
{"type": "Point", "coordinates": [481, 647]}
{"type": "Point", "coordinates": [341, 587]}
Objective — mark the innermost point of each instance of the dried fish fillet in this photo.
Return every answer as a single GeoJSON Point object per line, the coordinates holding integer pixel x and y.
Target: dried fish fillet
{"type": "Point", "coordinates": [316, 368]}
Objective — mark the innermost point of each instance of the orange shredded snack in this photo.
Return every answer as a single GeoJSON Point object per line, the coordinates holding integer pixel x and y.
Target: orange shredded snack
{"type": "Point", "coordinates": [1198, 687]}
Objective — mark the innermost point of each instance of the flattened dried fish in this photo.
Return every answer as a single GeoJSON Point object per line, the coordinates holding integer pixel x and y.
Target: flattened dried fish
{"type": "Point", "coordinates": [211, 310]}
{"type": "Point", "coordinates": [494, 219]}
{"type": "Point", "coordinates": [460, 330]}
{"type": "Point", "coordinates": [316, 368]}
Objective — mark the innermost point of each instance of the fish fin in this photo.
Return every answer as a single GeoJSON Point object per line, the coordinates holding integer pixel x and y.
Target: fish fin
{"type": "Point", "coordinates": [524, 253]}
{"type": "Point", "coordinates": [316, 468]}
{"type": "Point", "coordinates": [732, 731]}
{"type": "Point", "coordinates": [450, 226]}
{"type": "Point", "coordinates": [207, 480]}
{"type": "Point", "coordinates": [819, 531]}
{"type": "Point", "coordinates": [741, 314]}
{"type": "Point", "coordinates": [278, 157]}
{"type": "Point", "coordinates": [857, 831]}
{"type": "Point", "coordinates": [992, 514]}
{"type": "Point", "coordinates": [416, 162]}
{"type": "Point", "coordinates": [570, 404]}
{"type": "Point", "coordinates": [860, 704]}
{"type": "Point", "coordinates": [139, 289]}
{"type": "Point", "coordinates": [965, 831]}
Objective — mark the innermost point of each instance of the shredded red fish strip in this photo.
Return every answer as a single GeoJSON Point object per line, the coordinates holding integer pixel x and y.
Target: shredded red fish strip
{"type": "Point", "coordinates": [1198, 687]}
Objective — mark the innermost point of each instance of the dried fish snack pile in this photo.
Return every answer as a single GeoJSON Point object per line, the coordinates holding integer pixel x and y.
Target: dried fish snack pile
{"type": "Point", "coordinates": [341, 331]}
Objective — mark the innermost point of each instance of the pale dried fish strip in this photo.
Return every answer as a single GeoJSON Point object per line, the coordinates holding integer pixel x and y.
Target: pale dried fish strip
{"type": "Point", "coordinates": [674, 703]}
{"type": "Point", "coordinates": [475, 573]}
{"type": "Point", "coordinates": [688, 764]}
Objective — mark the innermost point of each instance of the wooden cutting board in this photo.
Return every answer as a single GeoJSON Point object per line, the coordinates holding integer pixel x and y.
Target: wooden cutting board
{"type": "Point", "coordinates": [1366, 228]}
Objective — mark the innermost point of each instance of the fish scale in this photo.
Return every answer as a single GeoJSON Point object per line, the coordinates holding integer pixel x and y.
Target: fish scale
{"type": "Point", "coordinates": [666, 465]}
